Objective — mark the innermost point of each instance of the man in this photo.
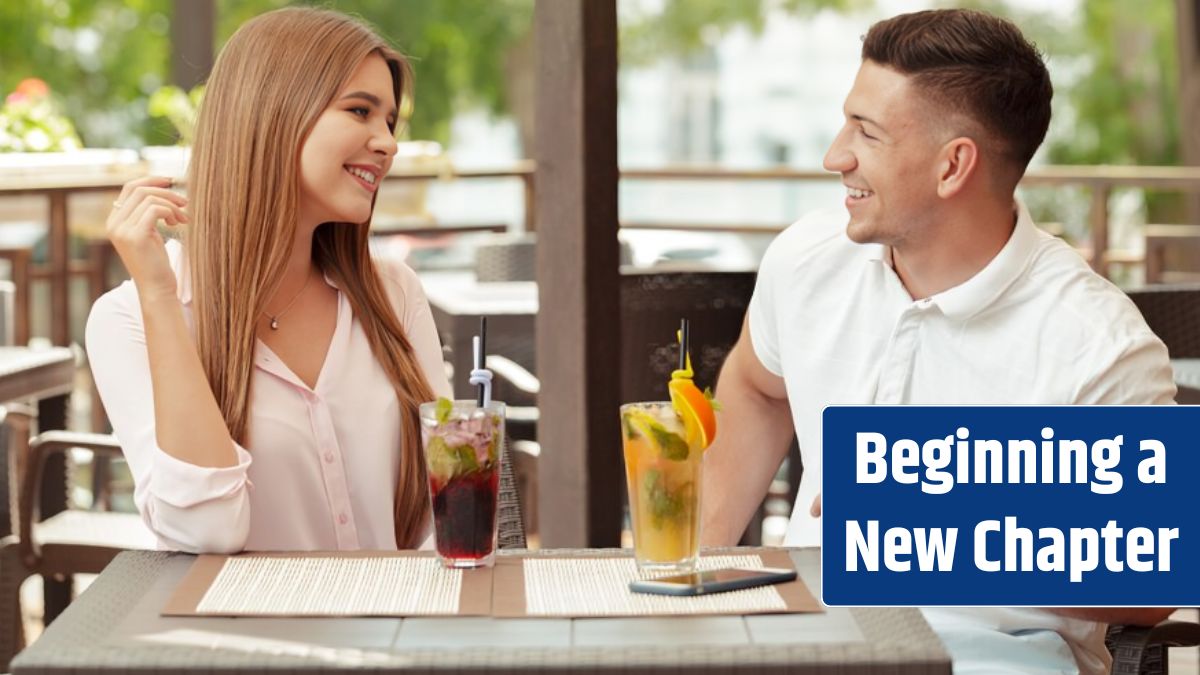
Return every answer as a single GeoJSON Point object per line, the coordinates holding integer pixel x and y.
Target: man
{"type": "Point", "coordinates": [931, 286]}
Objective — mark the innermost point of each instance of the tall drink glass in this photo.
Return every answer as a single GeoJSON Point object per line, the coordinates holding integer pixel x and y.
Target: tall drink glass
{"type": "Point", "coordinates": [462, 454]}
{"type": "Point", "coordinates": [663, 475]}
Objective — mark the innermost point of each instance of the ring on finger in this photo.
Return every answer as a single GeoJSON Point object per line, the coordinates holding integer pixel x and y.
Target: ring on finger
{"type": "Point", "coordinates": [117, 204]}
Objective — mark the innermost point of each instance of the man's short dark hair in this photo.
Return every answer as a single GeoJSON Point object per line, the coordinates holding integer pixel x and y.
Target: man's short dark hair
{"type": "Point", "coordinates": [972, 63]}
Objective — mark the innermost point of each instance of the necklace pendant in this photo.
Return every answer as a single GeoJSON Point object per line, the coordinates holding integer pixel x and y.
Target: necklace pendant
{"type": "Point", "coordinates": [274, 323]}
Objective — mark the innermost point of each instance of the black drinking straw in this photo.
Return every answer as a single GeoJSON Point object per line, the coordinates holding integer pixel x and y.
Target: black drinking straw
{"type": "Point", "coordinates": [482, 354]}
{"type": "Point", "coordinates": [683, 344]}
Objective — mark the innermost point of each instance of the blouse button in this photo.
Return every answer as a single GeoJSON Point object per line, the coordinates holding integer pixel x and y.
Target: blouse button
{"type": "Point", "coordinates": [329, 458]}
{"type": "Point", "coordinates": [342, 519]}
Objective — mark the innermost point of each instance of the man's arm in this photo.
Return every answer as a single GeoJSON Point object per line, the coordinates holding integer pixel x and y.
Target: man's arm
{"type": "Point", "coordinates": [754, 429]}
{"type": "Point", "coordinates": [1138, 616]}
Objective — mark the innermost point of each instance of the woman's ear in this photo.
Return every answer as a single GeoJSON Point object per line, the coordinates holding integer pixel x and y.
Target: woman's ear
{"type": "Point", "coordinates": [958, 161]}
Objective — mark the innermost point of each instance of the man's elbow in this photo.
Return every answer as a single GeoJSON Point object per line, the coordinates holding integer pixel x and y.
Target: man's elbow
{"type": "Point", "coordinates": [1148, 616]}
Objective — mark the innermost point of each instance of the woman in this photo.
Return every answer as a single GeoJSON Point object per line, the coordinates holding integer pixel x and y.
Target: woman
{"type": "Point", "coordinates": [263, 378]}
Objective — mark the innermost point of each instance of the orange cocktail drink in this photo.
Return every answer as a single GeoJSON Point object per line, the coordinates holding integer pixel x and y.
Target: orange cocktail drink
{"type": "Point", "coordinates": [663, 475]}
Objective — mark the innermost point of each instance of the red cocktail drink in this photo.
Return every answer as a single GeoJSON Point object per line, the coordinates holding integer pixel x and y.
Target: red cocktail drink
{"type": "Point", "coordinates": [462, 455]}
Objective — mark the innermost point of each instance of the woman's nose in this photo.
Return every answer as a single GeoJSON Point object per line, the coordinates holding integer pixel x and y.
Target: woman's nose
{"type": "Point", "coordinates": [383, 141]}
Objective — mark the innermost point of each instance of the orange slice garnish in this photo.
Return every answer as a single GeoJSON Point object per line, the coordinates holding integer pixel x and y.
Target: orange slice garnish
{"type": "Point", "coordinates": [699, 419]}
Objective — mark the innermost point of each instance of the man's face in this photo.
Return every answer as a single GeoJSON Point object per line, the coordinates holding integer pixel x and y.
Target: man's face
{"type": "Point", "coordinates": [887, 154]}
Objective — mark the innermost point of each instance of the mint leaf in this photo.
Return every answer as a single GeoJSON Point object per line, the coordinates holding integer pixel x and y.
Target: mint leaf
{"type": "Point", "coordinates": [665, 505]}
{"type": "Point", "coordinates": [494, 446]}
{"type": "Point", "coordinates": [627, 425]}
{"type": "Point", "coordinates": [444, 407]}
{"type": "Point", "coordinates": [670, 445]}
{"type": "Point", "coordinates": [712, 400]}
{"type": "Point", "coordinates": [441, 461]}
{"type": "Point", "coordinates": [466, 458]}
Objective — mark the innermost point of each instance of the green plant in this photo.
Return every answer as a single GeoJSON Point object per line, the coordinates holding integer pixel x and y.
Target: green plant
{"type": "Point", "coordinates": [178, 107]}
{"type": "Point", "coordinates": [30, 121]}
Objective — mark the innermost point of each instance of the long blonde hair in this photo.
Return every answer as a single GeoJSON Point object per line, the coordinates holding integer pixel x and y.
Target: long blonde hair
{"type": "Point", "coordinates": [272, 81]}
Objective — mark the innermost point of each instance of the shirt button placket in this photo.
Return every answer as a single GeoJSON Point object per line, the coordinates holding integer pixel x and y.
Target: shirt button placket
{"type": "Point", "coordinates": [334, 477]}
{"type": "Point", "coordinates": [899, 358]}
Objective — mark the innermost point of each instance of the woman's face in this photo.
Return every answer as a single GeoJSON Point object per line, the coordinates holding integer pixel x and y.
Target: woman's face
{"type": "Point", "coordinates": [350, 148]}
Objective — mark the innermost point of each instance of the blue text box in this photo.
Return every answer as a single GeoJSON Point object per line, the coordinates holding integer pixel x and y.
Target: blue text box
{"type": "Point", "coordinates": [1156, 520]}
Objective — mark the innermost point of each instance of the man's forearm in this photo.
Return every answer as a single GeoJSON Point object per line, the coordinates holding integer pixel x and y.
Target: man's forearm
{"type": "Point", "coordinates": [753, 435]}
{"type": "Point", "coordinates": [1138, 616]}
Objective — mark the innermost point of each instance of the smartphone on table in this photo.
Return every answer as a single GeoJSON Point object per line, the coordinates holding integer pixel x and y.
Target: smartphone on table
{"type": "Point", "coordinates": [713, 581]}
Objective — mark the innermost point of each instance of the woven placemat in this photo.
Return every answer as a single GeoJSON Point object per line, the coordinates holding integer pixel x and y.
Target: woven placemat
{"type": "Point", "coordinates": [555, 586]}
{"type": "Point", "coordinates": [317, 585]}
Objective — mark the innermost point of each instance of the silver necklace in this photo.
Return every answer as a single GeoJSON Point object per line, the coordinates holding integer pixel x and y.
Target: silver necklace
{"type": "Point", "coordinates": [275, 317]}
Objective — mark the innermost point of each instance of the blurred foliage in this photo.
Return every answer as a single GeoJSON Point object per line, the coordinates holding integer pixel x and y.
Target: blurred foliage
{"type": "Point", "coordinates": [102, 58]}
{"type": "Point", "coordinates": [105, 59]}
{"type": "Point", "coordinates": [178, 107]}
{"type": "Point", "coordinates": [457, 47]}
{"type": "Point", "coordinates": [1116, 98]}
{"type": "Point", "coordinates": [673, 28]}
{"type": "Point", "coordinates": [108, 57]}
{"type": "Point", "coordinates": [31, 121]}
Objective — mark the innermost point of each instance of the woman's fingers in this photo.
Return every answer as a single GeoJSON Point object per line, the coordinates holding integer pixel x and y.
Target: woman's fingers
{"type": "Point", "coordinates": [152, 181]}
{"type": "Point", "coordinates": [154, 208]}
{"type": "Point", "coordinates": [135, 191]}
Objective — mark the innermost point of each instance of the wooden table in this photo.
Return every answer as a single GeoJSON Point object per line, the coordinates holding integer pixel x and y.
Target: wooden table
{"type": "Point", "coordinates": [115, 627]}
{"type": "Point", "coordinates": [57, 188]}
{"type": "Point", "coordinates": [458, 300]}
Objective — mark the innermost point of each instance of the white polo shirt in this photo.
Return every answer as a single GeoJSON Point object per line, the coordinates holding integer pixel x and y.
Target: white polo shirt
{"type": "Point", "coordinates": [1036, 326]}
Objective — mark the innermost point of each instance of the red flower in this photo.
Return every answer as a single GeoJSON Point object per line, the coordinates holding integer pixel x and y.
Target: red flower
{"type": "Point", "coordinates": [32, 87]}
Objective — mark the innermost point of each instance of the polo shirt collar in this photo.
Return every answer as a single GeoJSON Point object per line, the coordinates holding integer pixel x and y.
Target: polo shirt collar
{"type": "Point", "coordinates": [976, 293]}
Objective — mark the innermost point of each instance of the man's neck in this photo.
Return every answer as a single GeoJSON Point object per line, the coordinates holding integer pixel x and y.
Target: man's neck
{"type": "Point", "coordinates": [953, 252]}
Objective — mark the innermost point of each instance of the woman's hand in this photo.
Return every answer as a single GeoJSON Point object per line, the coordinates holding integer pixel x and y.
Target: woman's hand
{"type": "Point", "coordinates": [132, 229]}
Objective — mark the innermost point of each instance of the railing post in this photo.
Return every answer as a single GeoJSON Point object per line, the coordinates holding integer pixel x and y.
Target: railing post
{"type": "Point", "coordinates": [1099, 220]}
{"type": "Point", "coordinates": [527, 182]}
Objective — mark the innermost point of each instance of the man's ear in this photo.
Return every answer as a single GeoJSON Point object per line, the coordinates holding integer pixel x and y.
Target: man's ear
{"type": "Point", "coordinates": [958, 162]}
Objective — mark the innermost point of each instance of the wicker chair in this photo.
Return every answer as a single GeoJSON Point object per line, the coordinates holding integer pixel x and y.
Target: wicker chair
{"type": "Point", "coordinates": [68, 543]}
{"type": "Point", "coordinates": [1173, 313]}
{"type": "Point", "coordinates": [84, 542]}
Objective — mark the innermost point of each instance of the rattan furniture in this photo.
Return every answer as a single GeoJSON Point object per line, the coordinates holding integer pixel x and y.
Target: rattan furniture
{"type": "Point", "coordinates": [116, 627]}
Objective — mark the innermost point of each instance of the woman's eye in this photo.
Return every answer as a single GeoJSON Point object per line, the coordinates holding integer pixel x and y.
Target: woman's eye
{"type": "Point", "coordinates": [361, 112]}
{"type": "Point", "coordinates": [865, 134]}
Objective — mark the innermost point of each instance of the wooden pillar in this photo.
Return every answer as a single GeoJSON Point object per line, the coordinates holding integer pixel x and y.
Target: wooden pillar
{"type": "Point", "coordinates": [580, 471]}
{"type": "Point", "coordinates": [1187, 26]}
{"type": "Point", "coordinates": [193, 27]}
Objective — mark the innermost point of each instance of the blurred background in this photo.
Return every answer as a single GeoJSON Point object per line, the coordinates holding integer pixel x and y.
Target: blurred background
{"type": "Point", "coordinates": [741, 85]}
{"type": "Point", "coordinates": [725, 110]}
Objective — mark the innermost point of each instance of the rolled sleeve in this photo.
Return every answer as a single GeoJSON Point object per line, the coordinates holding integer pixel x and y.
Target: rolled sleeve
{"type": "Point", "coordinates": [197, 509]}
{"type": "Point", "coordinates": [183, 485]}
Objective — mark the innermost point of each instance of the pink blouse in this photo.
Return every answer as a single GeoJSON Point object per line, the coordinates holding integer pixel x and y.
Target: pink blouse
{"type": "Point", "coordinates": [319, 468]}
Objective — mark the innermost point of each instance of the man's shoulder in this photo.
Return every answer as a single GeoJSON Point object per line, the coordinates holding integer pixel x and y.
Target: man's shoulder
{"type": "Point", "coordinates": [1077, 296]}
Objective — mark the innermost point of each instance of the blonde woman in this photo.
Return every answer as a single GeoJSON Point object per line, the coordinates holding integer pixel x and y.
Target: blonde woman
{"type": "Point", "coordinates": [263, 377]}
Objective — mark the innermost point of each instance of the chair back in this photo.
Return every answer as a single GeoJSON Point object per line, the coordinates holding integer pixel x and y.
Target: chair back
{"type": "Point", "coordinates": [507, 258]}
{"type": "Point", "coordinates": [652, 305]}
{"type": "Point", "coordinates": [510, 525]}
{"type": "Point", "coordinates": [1173, 313]}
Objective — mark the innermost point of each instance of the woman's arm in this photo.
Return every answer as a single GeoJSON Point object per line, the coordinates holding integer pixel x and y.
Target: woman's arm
{"type": "Point", "coordinates": [189, 422]}
{"type": "Point", "coordinates": [190, 477]}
